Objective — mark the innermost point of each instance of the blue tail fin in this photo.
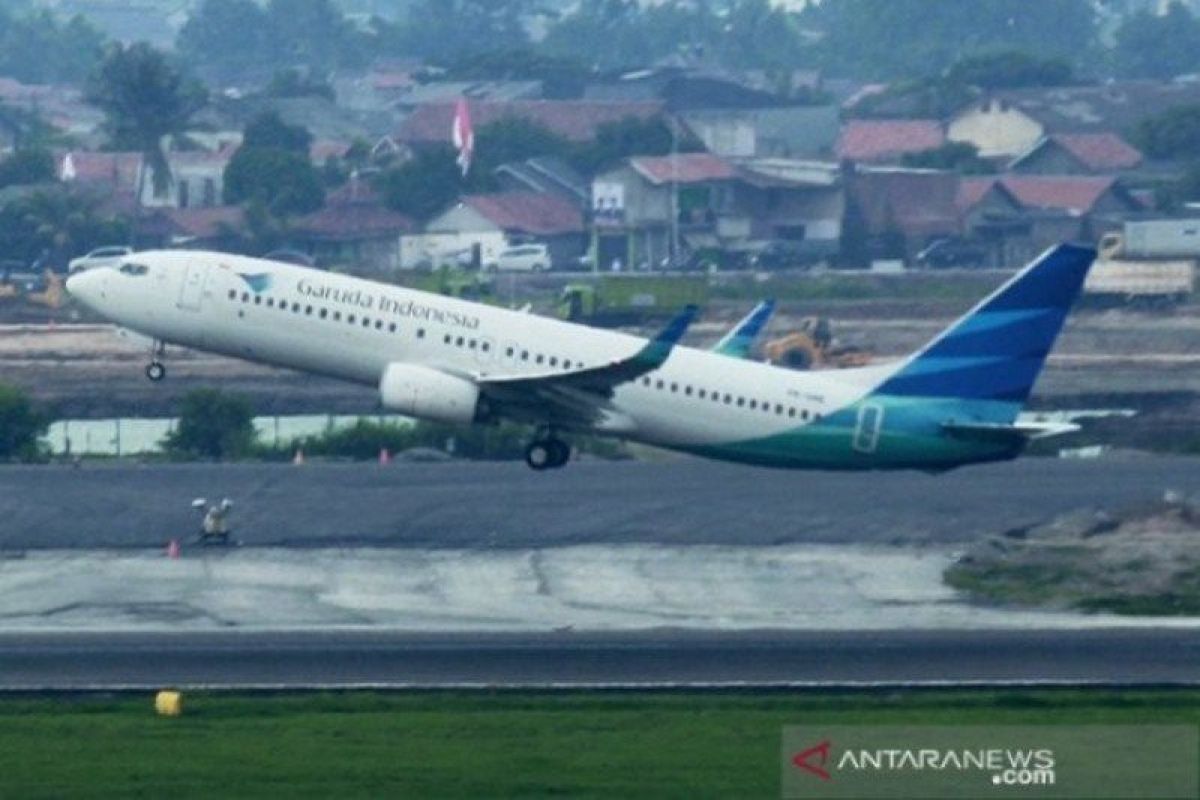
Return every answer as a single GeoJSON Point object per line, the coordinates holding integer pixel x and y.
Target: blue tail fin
{"type": "Point", "coordinates": [996, 351]}
{"type": "Point", "coordinates": [740, 339]}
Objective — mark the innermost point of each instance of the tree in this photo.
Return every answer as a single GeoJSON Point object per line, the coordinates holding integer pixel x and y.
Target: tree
{"type": "Point", "coordinates": [447, 31]}
{"type": "Point", "coordinates": [423, 186]}
{"type": "Point", "coordinates": [1150, 46]}
{"type": "Point", "coordinates": [268, 130]}
{"type": "Point", "coordinates": [284, 182]}
{"type": "Point", "coordinates": [27, 166]}
{"type": "Point", "coordinates": [212, 424]}
{"type": "Point", "coordinates": [628, 137]}
{"type": "Point", "coordinates": [56, 222]}
{"type": "Point", "coordinates": [35, 47]}
{"type": "Point", "coordinates": [616, 34]}
{"type": "Point", "coordinates": [312, 34]}
{"type": "Point", "coordinates": [1009, 69]}
{"type": "Point", "coordinates": [1173, 134]}
{"type": "Point", "coordinates": [961, 157]}
{"type": "Point", "coordinates": [20, 425]}
{"type": "Point", "coordinates": [886, 39]}
{"type": "Point", "coordinates": [144, 99]}
{"type": "Point", "coordinates": [225, 39]}
{"type": "Point", "coordinates": [510, 139]}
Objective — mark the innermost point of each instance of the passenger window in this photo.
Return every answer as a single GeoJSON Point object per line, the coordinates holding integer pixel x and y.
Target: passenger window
{"type": "Point", "coordinates": [687, 390]}
{"type": "Point", "coordinates": [741, 401]}
{"type": "Point", "coordinates": [258, 299]}
{"type": "Point", "coordinates": [378, 324]}
{"type": "Point", "coordinates": [553, 361]}
{"type": "Point", "coordinates": [350, 318]}
{"type": "Point", "coordinates": [420, 333]}
{"type": "Point", "coordinates": [540, 358]}
{"type": "Point", "coordinates": [391, 327]}
{"type": "Point", "coordinates": [658, 384]}
{"type": "Point", "coordinates": [674, 387]}
{"type": "Point", "coordinates": [471, 344]}
{"type": "Point", "coordinates": [324, 313]}
{"type": "Point", "coordinates": [728, 399]}
{"type": "Point", "coordinates": [308, 310]}
{"type": "Point", "coordinates": [232, 294]}
{"type": "Point", "coordinates": [337, 316]}
{"type": "Point", "coordinates": [366, 322]}
{"type": "Point", "coordinates": [700, 394]}
{"type": "Point", "coordinates": [509, 351]}
{"type": "Point", "coordinates": [296, 307]}
{"type": "Point", "coordinates": [753, 404]}
{"type": "Point", "coordinates": [245, 297]}
{"type": "Point", "coordinates": [459, 341]}
{"type": "Point", "coordinates": [270, 302]}
{"type": "Point", "coordinates": [566, 363]}
{"type": "Point", "coordinates": [447, 339]}
{"type": "Point", "coordinates": [524, 355]}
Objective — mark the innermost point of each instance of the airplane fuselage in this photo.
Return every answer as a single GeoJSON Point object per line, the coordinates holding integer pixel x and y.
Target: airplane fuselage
{"type": "Point", "coordinates": [697, 401]}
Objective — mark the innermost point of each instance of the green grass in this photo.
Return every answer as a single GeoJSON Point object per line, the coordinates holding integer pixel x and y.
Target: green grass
{"type": "Point", "coordinates": [480, 745]}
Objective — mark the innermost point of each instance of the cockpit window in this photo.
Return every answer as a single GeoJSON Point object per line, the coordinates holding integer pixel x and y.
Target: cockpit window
{"type": "Point", "coordinates": [130, 268]}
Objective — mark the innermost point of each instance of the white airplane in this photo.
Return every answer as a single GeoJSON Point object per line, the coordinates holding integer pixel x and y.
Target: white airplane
{"type": "Point", "coordinates": [955, 401]}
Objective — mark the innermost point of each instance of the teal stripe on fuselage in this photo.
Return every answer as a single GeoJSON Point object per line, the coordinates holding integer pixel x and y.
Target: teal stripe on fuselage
{"type": "Point", "coordinates": [910, 436]}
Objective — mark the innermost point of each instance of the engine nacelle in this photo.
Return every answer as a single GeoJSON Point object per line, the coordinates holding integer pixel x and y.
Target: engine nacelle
{"type": "Point", "coordinates": [429, 394]}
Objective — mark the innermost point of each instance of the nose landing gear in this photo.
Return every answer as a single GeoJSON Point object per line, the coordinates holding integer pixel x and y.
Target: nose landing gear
{"type": "Point", "coordinates": [156, 370]}
{"type": "Point", "coordinates": [547, 452]}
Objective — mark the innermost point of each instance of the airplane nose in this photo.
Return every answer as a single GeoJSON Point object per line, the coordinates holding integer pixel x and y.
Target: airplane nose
{"type": "Point", "coordinates": [87, 287]}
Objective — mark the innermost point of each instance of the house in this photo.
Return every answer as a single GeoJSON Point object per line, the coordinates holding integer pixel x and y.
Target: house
{"type": "Point", "coordinates": [713, 203]}
{"type": "Point", "coordinates": [545, 175]}
{"type": "Point", "coordinates": [354, 229]}
{"type": "Point", "coordinates": [216, 228]}
{"type": "Point", "coordinates": [1022, 215]}
{"type": "Point", "coordinates": [112, 178]}
{"type": "Point", "coordinates": [479, 226]}
{"type": "Point", "coordinates": [1008, 124]}
{"type": "Point", "coordinates": [893, 212]}
{"type": "Point", "coordinates": [434, 93]}
{"type": "Point", "coordinates": [883, 140]}
{"type": "Point", "coordinates": [1078, 154]}
{"type": "Point", "coordinates": [196, 180]}
{"type": "Point", "coordinates": [775, 132]}
{"type": "Point", "coordinates": [574, 120]}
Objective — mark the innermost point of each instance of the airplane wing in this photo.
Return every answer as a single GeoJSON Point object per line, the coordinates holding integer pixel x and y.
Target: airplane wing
{"type": "Point", "coordinates": [740, 339]}
{"type": "Point", "coordinates": [583, 396]}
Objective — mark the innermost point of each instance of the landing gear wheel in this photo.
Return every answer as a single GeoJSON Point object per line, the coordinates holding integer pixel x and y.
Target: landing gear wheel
{"type": "Point", "coordinates": [560, 453]}
{"type": "Point", "coordinates": [155, 371]}
{"type": "Point", "coordinates": [539, 455]}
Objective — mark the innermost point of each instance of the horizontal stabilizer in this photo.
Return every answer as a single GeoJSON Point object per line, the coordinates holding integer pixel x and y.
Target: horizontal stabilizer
{"type": "Point", "coordinates": [1020, 432]}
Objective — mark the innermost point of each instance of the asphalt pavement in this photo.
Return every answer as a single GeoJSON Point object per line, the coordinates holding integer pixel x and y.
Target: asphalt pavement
{"type": "Point", "coordinates": [506, 505]}
{"type": "Point", "coordinates": [345, 659]}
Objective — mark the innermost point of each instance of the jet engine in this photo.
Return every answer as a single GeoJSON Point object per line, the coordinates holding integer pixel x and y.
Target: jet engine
{"type": "Point", "coordinates": [429, 394]}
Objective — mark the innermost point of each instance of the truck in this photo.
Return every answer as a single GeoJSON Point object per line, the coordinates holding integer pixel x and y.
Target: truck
{"type": "Point", "coordinates": [1149, 262]}
{"type": "Point", "coordinates": [611, 300]}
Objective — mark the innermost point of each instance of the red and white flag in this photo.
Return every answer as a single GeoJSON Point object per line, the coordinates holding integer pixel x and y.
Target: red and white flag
{"type": "Point", "coordinates": [462, 135]}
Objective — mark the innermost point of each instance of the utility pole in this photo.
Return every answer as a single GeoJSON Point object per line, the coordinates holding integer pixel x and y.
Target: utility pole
{"type": "Point", "coordinates": [674, 246]}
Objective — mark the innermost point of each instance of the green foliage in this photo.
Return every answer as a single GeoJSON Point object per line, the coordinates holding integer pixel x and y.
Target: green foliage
{"type": "Point", "coordinates": [55, 221]}
{"type": "Point", "coordinates": [447, 31]}
{"type": "Point", "coordinates": [1175, 133]}
{"type": "Point", "coordinates": [503, 442]}
{"type": "Point", "coordinates": [311, 34]}
{"type": "Point", "coordinates": [293, 83]}
{"type": "Point", "coordinates": [144, 98]}
{"type": "Point", "coordinates": [628, 137]}
{"type": "Point", "coordinates": [284, 182]}
{"type": "Point", "coordinates": [1172, 195]}
{"type": "Point", "coordinates": [20, 425]}
{"type": "Point", "coordinates": [960, 157]}
{"type": "Point", "coordinates": [928, 98]}
{"type": "Point", "coordinates": [35, 47]}
{"type": "Point", "coordinates": [423, 186]}
{"type": "Point", "coordinates": [1009, 69]}
{"type": "Point", "coordinates": [212, 424]}
{"type": "Point", "coordinates": [224, 38]}
{"type": "Point", "coordinates": [1150, 46]}
{"type": "Point", "coordinates": [883, 39]}
{"type": "Point", "coordinates": [510, 139]}
{"type": "Point", "coordinates": [24, 167]}
{"type": "Point", "coordinates": [268, 130]}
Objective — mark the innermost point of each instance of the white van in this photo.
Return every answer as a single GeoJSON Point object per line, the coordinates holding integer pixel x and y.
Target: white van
{"type": "Point", "coordinates": [521, 258]}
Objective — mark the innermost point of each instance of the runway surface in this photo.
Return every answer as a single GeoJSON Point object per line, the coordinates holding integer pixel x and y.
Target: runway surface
{"type": "Point", "coordinates": [505, 505]}
{"type": "Point", "coordinates": [30, 662]}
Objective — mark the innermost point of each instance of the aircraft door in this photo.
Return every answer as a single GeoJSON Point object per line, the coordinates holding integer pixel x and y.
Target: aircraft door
{"type": "Point", "coordinates": [191, 291]}
{"type": "Point", "coordinates": [866, 433]}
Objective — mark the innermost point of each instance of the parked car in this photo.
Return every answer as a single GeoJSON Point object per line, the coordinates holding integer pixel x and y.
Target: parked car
{"type": "Point", "coordinates": [947, 253]}
{"type": "Point", "coordinates": [781, 254]}
{"type": "Point", "coordinates": [521, 258]}
{"type": "Point", "coordinates": [100, 257]}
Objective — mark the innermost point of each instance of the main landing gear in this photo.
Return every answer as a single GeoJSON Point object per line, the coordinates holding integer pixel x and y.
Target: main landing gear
{"type": "Point", "coordinates": [156, 370]}
{"type": "Point", "coordinates": [547, 451]}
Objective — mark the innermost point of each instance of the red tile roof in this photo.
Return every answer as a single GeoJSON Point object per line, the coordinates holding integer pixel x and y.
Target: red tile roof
{"type": "Point", "coordinates": [349, 217]}
{"type": "Point", "coordinates": [916, 202]}
{"type": "Point", "coordinates": [117, 170]}
{"type": "Point", "coordinates": [203, 223]}
{"type": "Point", "coordinates": [1100, 152]}
{"type": "Point", "coordinates": [684, 168]}
{"type": "Point", "coordinates": [972, 191]}
{"type": "Point", "coordinates": [571, 119]}
{"type": "Point", "coordinates": [882, 139]}
{"type": "Point", "coordinates": [528, 212]}
{"type": "Point", "coordinates": [1076, 194]}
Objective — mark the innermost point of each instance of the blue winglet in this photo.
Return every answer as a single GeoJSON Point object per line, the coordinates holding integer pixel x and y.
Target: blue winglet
{"type": "Point", "coordinates": [657, 349]}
